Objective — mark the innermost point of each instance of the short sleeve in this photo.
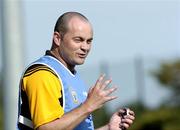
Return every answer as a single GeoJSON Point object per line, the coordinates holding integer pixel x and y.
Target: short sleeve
{"type": "Point", "coordinates": [43, 89]}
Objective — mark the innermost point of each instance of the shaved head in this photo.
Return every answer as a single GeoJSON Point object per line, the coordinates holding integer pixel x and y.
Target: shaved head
{"type": "Point", "coordinates": [62, 22]}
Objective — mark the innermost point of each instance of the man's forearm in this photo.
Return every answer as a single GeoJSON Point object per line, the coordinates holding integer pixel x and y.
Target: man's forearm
{"type": "Point", "coordinates": [68, 121]}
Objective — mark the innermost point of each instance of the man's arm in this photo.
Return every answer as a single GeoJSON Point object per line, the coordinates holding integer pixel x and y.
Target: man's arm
{"type": "Point", "coordinates": [68, 121]}
{"type": "Point", "coordinates": [106, 127]}
{"type": "Point", "coordinates": [97, 96]}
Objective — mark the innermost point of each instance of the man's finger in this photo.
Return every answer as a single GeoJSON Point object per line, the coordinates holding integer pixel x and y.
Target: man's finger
{"type": "Point", "coordinates": [131, 113]}
{"type": "Point", "coordinates": [99, 80]}
{"type": "Point", "coordinates": [111, 98]}
{"type": "Point", "coordinates": [106, 83]}
{"type": "Point", "coordinates": [110, 90]}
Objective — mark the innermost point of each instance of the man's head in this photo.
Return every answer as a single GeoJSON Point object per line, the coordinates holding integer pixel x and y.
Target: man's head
{"type": "Point", "coordinates": [72, 39]}
{"type": "Point", "coordinates": [62, 22]}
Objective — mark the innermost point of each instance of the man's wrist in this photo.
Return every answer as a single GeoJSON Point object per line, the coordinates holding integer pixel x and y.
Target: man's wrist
{"type": "Point", "coordinates": [106, 127]}
{"type": "Point", "coordinates": [111, 126]}
{"type": "Point", "coordinates": [86, 108]}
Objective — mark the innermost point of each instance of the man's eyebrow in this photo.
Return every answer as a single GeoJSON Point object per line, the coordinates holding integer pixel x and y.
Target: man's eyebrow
{"type": "Point", "coordinates": [90, 39]}
{"type": "Point", "coordinates": [78, 37]}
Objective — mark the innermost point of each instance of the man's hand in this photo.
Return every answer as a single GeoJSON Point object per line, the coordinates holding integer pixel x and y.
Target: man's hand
{"type": "Point", "coordinates": [99, 94]}
{"type": "Point", "coordinates": [121, 121]}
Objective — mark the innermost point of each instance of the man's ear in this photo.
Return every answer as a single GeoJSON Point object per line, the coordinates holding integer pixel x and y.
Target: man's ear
{"type": "Point", "coordinates": [56, 38]}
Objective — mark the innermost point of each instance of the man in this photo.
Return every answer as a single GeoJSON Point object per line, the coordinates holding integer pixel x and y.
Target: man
{"type": "Point", "coordinates": [52, 95]}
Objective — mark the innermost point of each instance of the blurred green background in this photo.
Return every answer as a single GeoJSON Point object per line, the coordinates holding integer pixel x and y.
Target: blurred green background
{"type": "Point", "coordinates": [167, 115]}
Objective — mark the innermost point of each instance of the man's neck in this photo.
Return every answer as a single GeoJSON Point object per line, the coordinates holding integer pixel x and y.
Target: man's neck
{"type": "Point", "coordinates": [70, 67]}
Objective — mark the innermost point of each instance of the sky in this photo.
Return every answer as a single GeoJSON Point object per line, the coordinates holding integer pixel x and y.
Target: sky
{"type": "Point", "coordinates": [123, 30]}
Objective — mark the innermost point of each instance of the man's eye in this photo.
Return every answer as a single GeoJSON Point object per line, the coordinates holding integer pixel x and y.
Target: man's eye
{"type": "Point", "coordinates": [89, 42]}
{"type": "Point", "coordinates": [77, 40]}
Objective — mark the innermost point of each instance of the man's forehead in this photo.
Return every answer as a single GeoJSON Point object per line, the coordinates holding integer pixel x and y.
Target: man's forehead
{"type": "Point", "coordinates": [75, 23]}
{"type": "Point", "coordinates": [77, 19]}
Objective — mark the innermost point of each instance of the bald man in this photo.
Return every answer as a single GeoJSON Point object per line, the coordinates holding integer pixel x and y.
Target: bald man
{"type": "Point", "coordinates": [52, 95]}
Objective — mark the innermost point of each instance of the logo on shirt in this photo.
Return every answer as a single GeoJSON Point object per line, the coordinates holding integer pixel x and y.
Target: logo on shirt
{"type": "Point", "coordinates": [74, 96]}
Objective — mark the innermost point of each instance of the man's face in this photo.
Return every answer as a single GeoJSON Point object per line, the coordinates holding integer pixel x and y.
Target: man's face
{"type": "Point", "coordinates": [76, 43]}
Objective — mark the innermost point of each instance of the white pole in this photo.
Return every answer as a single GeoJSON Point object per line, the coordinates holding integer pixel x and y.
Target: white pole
{"type": "Point", "coordinates": [140, 81]}
{"type": "Point", "coordinates": [11, 58]}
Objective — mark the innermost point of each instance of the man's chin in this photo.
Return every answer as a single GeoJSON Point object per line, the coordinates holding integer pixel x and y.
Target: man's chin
{"type": "Point", "coordinates": [80, 62]}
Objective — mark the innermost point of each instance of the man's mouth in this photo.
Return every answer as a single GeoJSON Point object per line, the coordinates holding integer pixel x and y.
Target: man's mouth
{"type": "Point", "coordinates": [82, 55]}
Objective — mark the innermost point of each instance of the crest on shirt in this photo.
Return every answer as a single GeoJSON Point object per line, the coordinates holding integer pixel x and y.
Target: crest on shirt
{"type": "Point", "coordinates": [74, 96]}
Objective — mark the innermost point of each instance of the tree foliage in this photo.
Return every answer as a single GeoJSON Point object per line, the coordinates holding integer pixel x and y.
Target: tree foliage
{"type": "Point", "coordinates": [169, 75]}
{"type": "Point", "coordinates": [101, 117]}
{"type": "Point", "coordinates": [160, 119]}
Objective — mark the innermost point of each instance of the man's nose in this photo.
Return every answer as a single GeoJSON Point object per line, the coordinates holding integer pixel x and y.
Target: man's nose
{"type": "Point", "coordinates": [85, 46]}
